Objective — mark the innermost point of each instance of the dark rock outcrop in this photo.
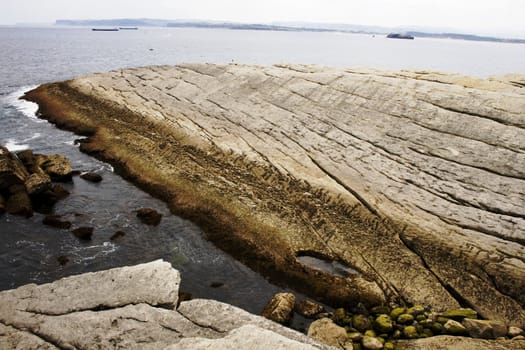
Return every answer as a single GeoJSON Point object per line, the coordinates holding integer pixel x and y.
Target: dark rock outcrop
{"type": "Point", "coordinates": [83, 233]}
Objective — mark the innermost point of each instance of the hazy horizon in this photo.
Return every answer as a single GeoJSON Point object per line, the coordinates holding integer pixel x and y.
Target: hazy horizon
{"type": "Point", "coordinates": [485, 17]}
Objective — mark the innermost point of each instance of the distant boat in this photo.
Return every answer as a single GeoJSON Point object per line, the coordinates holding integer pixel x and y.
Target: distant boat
{"type": "Point", "coordinates": [105, 29]}
{"type": "Point", "coordinates": [400, 36]}
{"type": "Point", "coordinates": [128, 28]}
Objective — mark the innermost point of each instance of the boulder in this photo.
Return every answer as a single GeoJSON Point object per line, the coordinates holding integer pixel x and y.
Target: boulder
{"type": "Point", "coordinates": [37, 183]}
{"type": "Point", "coordinates": [149, 216]}
{"type": "Point", "coordinates": [19, 204]}
{"type": "Point", "coordinates": [280, 308]}
{"type": "Point", "coordinates": [12, 171]}
{"type": "Point", "coordinates": [326, 331]}
{"type": "Point", "coordinates": [91, 177]}
{"type": "Point", "coordinates": [485, 329]}
{"type": "Point", "coordinates": [308, 308]}
{"type": "Point", "coordinates": [56, 166]}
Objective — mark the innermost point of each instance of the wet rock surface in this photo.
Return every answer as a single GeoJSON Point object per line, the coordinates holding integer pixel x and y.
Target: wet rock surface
{"type": "Point", "coordinates": [403, 176]}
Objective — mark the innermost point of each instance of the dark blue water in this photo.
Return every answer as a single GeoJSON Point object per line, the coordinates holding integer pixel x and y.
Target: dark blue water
{"type": "Point", "coordinates": [31, 56]}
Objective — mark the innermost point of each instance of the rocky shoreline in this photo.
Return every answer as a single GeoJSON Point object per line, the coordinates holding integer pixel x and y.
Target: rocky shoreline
{"type": "Point", "coordinates": [139, 307]}
{"type": "Point", "coordinates": [378, 171]}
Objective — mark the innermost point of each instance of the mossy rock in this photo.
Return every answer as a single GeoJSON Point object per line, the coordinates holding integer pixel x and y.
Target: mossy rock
{"type": "Point", "coordinates": [378, 310]}
{"type": "Point", "coordinates": [339, 315]}
{"type": "Point", "coordinates": [355, 336]}
{"type": "Point", "coordinates": [427, 333]}
{"type": "Point", "coordinates": [416, 310]}
{"type": "Point", "coordinates": [437, 328]}
{"type": "Point", "coordinates": [405, 319]}
{"type": "Point", "coordinates": [420, 318]}
{"type": "Point", "coordinates": [460, 314]}
{"type": "Point", "coordinates": [361, 323]}
{"type": "Point", "coordinates": [370, 333]}
{"type": "Point", "coordinates": [394, 314]}
{"type": "Point", "coordinates": [442, 319]}
{"type": "Point", "coordinates": [383, 324]}
{"type": "Point", "coordinates": [389, 346]}
{"type": "Point", "coordinates": [410, 332]}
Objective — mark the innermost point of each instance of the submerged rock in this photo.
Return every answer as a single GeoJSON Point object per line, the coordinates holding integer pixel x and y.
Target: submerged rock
{"type": "Point", "coordinates": [91, 177]}
{"type": "Point", "coordinates": [56, 221]}
{"type": "Point", "coordinates": [117, 235]}
{"type": "Point", "coordinates": [149, 216]}
{"type": "Point", "coordinates": [280, 308]}
{"type": "Point", "coordinates": [83, 233]}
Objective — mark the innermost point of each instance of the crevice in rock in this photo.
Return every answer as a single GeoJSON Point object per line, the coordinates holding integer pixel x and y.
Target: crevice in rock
{"type": "Point", "coordinates": [450, 290]}
{"type": "Point", "coordinates": [210, 327]}
{"type": "Point", "coordinates": [346, 187]}
{"type": "Point", "coordinates": [456, 110]}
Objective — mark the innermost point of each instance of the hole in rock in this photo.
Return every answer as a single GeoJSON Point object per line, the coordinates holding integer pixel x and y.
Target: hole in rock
{"type": "Point", "coordinates": [317, 261]}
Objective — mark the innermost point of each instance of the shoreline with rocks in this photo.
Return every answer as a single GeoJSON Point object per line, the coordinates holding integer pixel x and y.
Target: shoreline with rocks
{"type": "Point", "coordinates": [140, 307]}
{"type": "Point", "coordinates": [271, 171]}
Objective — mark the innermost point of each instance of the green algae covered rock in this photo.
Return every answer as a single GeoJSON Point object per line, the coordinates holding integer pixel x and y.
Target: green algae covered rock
{"type": "Point", "coordinates": [416, 310]}
{"type": "Point", "coordinates": [360, 322]}
{"type": "Point", "coordinates": [405, 319]}
{"type": "Point", "coordinates": [383, 323]}
{"type": "Point", "coordinates": [394, 314]}
{"type": "Point", "coordinates": [410, 332]}
{"type": "Point", "coordinates": [459, 314]}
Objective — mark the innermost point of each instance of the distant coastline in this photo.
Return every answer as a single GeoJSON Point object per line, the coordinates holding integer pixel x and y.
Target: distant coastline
{"type": "Point", "coordinates": [304, 27]}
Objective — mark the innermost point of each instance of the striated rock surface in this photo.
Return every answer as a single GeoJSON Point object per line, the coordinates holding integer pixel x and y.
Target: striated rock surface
{"type": "Point", "coordinates": [131, 308]}
{"type": "Point", "coordinates": [405, 176]}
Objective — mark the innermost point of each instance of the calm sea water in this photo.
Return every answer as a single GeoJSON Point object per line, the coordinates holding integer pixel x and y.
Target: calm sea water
{"type": "Point", "coordinates": [31, 56]}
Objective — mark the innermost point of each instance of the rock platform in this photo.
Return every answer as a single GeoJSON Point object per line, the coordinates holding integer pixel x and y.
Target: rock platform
{"type": "Point", "coordinates": [415, 180]}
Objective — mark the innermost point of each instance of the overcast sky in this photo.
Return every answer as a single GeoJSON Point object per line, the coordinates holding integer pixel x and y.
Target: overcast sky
{"type": "Point", "coordinates": [477, 16]}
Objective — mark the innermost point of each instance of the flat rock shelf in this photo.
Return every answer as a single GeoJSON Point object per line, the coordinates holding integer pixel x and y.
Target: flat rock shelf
{"type": "Point", "coordinates": [414, 180]}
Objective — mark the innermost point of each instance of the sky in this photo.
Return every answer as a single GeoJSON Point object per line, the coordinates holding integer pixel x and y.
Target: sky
{"type": "Point", "coordinates": [497, 17]}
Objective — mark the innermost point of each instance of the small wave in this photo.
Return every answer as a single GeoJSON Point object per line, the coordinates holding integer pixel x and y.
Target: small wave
{"type": "Point", "coordinates": [29, 109]}
{"type": "Point", "coordinates": [13, 146]}
{"type": "Point", "coordinates": [84, 254]}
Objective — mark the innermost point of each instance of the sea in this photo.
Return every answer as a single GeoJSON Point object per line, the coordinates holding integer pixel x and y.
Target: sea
{"type": "Point", "coordinates": [34, 55]}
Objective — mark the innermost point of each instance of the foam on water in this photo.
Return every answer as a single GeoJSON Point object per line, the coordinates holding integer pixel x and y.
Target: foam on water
{"type": "Point", "coordinates": [29, 109]}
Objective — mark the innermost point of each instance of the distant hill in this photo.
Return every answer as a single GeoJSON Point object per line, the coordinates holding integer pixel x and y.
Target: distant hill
{"type": "Point", "coordinates": [282, 26]}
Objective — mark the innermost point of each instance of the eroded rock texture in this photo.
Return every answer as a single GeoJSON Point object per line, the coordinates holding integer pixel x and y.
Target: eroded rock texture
{"type": "Point", "coordinates": [415, 179]}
